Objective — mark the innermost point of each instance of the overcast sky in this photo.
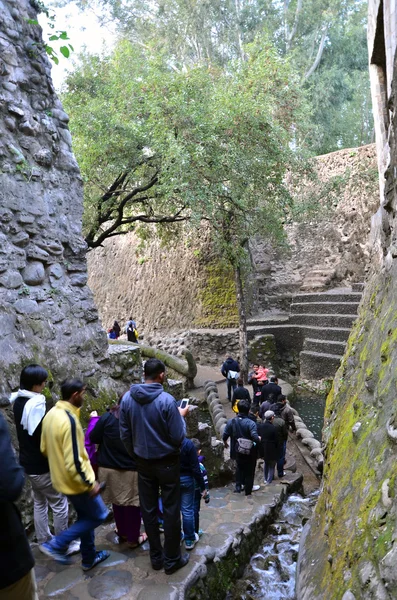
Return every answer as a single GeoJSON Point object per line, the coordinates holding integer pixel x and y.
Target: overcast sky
{"type": "Point", "coordinates": [83, 30]}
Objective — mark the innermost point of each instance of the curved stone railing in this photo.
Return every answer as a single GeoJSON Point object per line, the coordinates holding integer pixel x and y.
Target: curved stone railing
{"type": "Point", "coordinates": [215, 406]}
{"type": "Point", "coordinates": [307, 438]}
{"type": "Point", "coordinates": [187, 367]}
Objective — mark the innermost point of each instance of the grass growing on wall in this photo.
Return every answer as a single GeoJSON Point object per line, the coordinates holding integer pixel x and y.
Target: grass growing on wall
{"type": "Point", "coordinates": [218, 298]}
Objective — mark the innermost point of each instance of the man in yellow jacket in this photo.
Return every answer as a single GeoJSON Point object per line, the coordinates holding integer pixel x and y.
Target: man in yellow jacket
{"type": "Point", "coordinates": [62, 441]}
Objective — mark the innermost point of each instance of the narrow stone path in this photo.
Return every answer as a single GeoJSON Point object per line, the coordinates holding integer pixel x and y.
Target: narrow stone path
{"type": "Point", "coordinates": [231, 522]}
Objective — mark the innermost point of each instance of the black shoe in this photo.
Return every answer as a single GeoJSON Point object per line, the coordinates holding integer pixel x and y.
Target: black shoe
{"type": "Point", "coordinates": [157, 566]}
{"type": "Point", "coordinates": [184, 559]}
{"type": "Point", "coordinates": [237, 490]}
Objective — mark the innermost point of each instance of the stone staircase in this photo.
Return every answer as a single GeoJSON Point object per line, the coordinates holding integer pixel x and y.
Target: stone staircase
{"type": "Point", "coordinates": [317, 327]}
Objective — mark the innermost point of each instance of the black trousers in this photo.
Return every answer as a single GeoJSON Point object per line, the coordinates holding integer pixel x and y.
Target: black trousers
{"type": "Point", "coordinates": [164, 474]}
{"type": "Point", "coordinates": [245, 473]}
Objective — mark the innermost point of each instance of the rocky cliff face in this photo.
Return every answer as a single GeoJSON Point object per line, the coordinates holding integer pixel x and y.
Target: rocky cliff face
{"type": "Point", "coordinates": [350, 546]}
{"type": "Point", "coordinates": [47, 312]}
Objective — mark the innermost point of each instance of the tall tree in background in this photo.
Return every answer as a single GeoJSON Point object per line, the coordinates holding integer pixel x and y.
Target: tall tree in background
{"type": "Point", "coordinates": [325, 39]}
{"type": "Point", "coordinates": [209, 145]}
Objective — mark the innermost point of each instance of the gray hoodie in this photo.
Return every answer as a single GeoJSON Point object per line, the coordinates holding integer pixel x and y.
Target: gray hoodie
{"type": "Point", "coordinates": [150, 424]}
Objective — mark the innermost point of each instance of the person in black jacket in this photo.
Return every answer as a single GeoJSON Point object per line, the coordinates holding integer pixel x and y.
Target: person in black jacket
{"type": "Point", "coordinates": [17, 581]}
{"type": "Point", "coordinates": [269, 446]}
{"type": "Point", "coordinates": [269, 394]}
{"type": "Point", "coordinates": [242, 427]}
{"type": "Point", "coordinates": [230, 369]}
{"type": "Point", "coordinates": [240, 393]}
{"type": "Point", "coordinates": [118, 470]}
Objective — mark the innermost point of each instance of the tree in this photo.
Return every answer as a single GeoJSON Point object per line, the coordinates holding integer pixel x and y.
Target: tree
{"type": "Point", "coordinates": [209, 144]}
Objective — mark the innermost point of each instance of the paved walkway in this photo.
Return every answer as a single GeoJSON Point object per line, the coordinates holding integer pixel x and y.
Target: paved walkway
{"type": "Point", "coordinates": [228, 522]}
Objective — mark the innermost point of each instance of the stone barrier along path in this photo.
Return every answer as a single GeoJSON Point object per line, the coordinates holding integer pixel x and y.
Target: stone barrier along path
{"type": "Point", "coordinates": [234, 527]}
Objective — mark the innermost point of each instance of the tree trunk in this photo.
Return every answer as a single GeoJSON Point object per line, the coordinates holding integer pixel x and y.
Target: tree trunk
{"type": "Point", "coordinates": [242, 329]}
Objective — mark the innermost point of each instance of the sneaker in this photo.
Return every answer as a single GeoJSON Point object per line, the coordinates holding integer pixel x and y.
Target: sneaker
{"type": "Point", "coordinates": [100, 557]}
{"type": "Point", "coordinates": [59, 557]}
{"type": "Point", "coordinates": [157, 566]}
{"type": "Point", "coordinates": [184, 559]}
{"type": "Point", "coordinates": [237, 491]}
{"type": "Point", "coordinates": [190, 544]}
{"type": "Point", "coordinates": [74, 548]}
{"type": "Point", "coordinates": [265, 482]}
{"type": "Point", "coordinates": [255, 488]}
{"type": "Point", "coordinates": [200, 533]}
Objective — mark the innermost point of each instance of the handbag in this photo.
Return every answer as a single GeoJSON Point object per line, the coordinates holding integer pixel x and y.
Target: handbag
{"type": "Point", "coordinates": [243, 445]}
{"type": "Point", "coordinates": [232, 375]}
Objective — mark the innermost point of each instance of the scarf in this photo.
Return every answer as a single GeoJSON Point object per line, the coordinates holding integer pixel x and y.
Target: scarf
{"type": "Point", "coordinates": [34, 409]}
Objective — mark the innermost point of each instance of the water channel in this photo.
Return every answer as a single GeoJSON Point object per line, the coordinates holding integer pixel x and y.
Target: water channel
{"type": "Point", "coordinates": [311, 411]}
{"type": "Point", "coordinates": [271, 572]}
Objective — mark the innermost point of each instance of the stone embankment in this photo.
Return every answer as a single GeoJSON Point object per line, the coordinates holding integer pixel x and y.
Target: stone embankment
{"type": "Point", "coordinates": [316, 330]}
{"type": "Point", "coordinates": [234, 528]}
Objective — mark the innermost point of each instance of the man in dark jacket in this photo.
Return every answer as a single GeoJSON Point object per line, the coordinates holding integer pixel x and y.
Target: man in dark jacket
{"type": "Point", "coordinates": [152, 430]}
{"type": "Point", "coordinates": [285, 412]}
{"type": "Point", "coordinates": [269, 394]}
{"type": "Point", "coordinates": [242, 427]}
{"type": "Point", "coordinates": [17, 580]}
{"type": "Point", "coordinates": [240, 393]}
{"type": "Point", "coordinates": [269, 445]}
{"type": "Point", "coordinates": [230, 369]}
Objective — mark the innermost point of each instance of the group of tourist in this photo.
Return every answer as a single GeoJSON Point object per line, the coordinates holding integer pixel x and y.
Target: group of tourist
{"type": "Point", "coordinates": [140, 453]}
{"type": "Point", "coordinates": [131, 331]}
{"type": "Point", "coordinates": [260, 428]}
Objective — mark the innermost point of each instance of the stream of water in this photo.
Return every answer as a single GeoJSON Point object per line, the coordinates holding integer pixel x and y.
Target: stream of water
{"type": "Point", "coordinates": [271, 572]}
{"type": "Point", "coordinates": [311, 411]}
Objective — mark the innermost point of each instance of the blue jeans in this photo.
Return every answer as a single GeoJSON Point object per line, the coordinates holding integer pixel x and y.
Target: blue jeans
{"type": "Point", "coordinates": [91, 512]}
{"type": "Point", "coordinates": [197, 502]}
{"type": "Point", "coordinates": [281, 460]}
{"type": "Point", "coordinates": [231, 386]}
{"type": "Point", "coordinates": [187, 506]}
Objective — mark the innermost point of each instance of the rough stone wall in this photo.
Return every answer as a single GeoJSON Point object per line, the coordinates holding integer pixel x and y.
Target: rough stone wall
{"type": "Point", "coordinates": [47, 312]}
{"type": "Point", "coordinates": [178, 287]}
{"type": "Point", "coordinates": [349, 549]}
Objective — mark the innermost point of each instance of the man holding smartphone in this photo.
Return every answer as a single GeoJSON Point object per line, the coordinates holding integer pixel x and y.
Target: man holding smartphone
{"type": "Point", "coordinates": [153, 430]}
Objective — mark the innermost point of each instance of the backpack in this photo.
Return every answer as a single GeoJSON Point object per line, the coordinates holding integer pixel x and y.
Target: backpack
{"type": "Point", "coordinates": [243, 445]}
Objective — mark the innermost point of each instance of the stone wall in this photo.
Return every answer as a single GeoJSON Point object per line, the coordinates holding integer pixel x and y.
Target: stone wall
{"type": "Point", "coordinates": [183, 286]}
{"type": "Point", "coordinates": [349, 549]}
{"type": "Point", "coordinates": [47, 311]}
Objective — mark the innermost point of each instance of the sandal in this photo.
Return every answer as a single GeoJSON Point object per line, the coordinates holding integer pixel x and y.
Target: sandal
{"type": "Point", "coordinates": [99, 557]}
{"type": "Point", "coordinates": [141, 540]}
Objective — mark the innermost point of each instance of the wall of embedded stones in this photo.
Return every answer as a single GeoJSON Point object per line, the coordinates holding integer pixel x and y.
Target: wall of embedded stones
{"type": "Point", "coordinates": [47, 311]}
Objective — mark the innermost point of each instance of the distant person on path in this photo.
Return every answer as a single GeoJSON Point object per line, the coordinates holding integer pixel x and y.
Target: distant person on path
{"type": "Point", "coordinates": [240, 393]}
{"type": "Point", "coordinates": [285, 412]}
{"type": "Point", "coordinates": [282, 435]}
{"type": "Point", "coordinates": [258, 378]}
{"type": "Point", "coordinates": [153, 430]}
{"type": "Point", "coordinates": [131, 331]}
{"type": "Point", "coordinates": [29, 406]}
{"type": "Point", "coordinates": [17, 580]}
{"type": "Point", "coordinates": [62, 441]}
{"type": "Point", "coordinates": [230, 369]}
{"type": "Point", "coordinates": [269, 395]}
{"type": "Point", "coordinates": [239, 428]}
{"type": "Point", "coordinates": [116, 329]}
{"type": "Point", "coordinates": [118, 470]}
{"type": "Point", "coordinates": [190, 475]}
{"type": "Point", "coordinates": [269, 446]}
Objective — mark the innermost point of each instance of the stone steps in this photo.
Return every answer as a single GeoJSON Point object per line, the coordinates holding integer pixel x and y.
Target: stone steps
{"type": "Point", "coordinates": [318, 365]}
{"type": "Point", "coordinates": [324, 308]}
{"type": "Point", "coordinates": [325, 320]}
{"type": "Point", "coordinates": [358, 287]}
{"type": "Point", "coordinates": [324, 346]}
{"type": "Point", "coordinates": [341, 297]}
{"type": "Point", "coordinates": [327, 333]}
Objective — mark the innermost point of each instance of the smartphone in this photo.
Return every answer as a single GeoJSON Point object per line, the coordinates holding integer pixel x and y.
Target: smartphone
{"type": "Point", "coordinates": [184, 403]}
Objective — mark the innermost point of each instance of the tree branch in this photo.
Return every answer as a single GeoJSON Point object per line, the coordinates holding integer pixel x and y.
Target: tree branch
{"type": "Point", "coordinates": [319, 53]}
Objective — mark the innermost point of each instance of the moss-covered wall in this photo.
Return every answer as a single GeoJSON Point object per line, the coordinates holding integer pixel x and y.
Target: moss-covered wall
{"type": "Point", "coordinates": [218, 306]}
{"type": "Point", "coordinates": [349, 549]}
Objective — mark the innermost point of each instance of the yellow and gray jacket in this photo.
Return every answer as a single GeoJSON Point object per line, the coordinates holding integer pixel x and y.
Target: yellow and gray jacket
{"type": "Point", "coordinates": [62, 441]}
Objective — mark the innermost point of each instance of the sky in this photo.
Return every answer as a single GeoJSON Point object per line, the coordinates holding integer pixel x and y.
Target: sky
{"type": "Point", "coordinates": [83, 30]}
